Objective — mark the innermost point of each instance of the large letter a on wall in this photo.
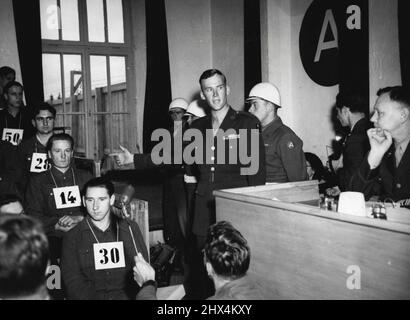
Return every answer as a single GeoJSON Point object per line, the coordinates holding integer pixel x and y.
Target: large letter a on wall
{"type": "Point", "coordinates": [322, 45]}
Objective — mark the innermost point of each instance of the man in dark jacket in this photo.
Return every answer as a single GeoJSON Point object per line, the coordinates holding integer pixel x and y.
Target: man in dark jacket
{"type": "Point", "coordinates": [98, 254]}
{"type": "Point", "coordinates": [385, 172]}
{"type": "Point", "coordinates": [228, 138]}
{"type": "Point", "coordinates": [351, 112]}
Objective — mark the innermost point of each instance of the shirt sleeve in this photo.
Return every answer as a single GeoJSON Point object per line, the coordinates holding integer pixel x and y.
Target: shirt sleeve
{"type": "Point", "coordinates": [293, 157]}
{"type": "Point", "coordinates": [78, 287]}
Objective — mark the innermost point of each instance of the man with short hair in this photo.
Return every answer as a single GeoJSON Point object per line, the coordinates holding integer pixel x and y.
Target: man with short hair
{"type": "Point", "coordinates": [227, 128]}
{"type": "Point", "coordinates": [32, 152]}
{"type": "Point", "coordinates": [15, 119]}
{"type": "Point", "coordinates": [7, 75]}
{"type": "Point", "coordinates": [53, 196]}
{"type": "Point", "coordinates": [24, 259]}
{"type": "Point", "coordinates": [351, 112]}
{"type": "Point", "coordinates": [226, 256]}
{"type": "Point", "coordinates": [11, 204]}
{"type": "Point", "coordinates": [98, 254]}
{"type": "Point", "coordinates": [385, 172]}
{"type": "Point", "coordinates": [285, 159]}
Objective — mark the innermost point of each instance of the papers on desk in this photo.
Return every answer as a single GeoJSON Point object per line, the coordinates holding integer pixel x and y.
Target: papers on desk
{"type": "Point", "coordinates": [171, 292]}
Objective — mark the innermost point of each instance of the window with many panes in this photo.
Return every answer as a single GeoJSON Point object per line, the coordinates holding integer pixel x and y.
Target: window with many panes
{"type": "Point", "coordinates": [86, 52]}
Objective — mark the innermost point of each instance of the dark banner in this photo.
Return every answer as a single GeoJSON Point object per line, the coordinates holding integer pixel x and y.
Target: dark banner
{"type": "Point", "coordinates": [252, 50]}
{"type": "Point", "coordinates": [334, 44]}
{"type": "Point", "coordinates": [404, 40]}
{"type": "Point", "coordinates": [158, 84]}
{"type": "Point", "coordinates": [28, 33]}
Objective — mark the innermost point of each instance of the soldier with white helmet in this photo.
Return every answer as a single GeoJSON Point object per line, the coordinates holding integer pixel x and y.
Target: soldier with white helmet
{"type": "Point", "coordinates": [195, 110]}
{"type": "Point", "coordinates": [177, 109]}
{"type": "Point", "coordinates": [285, 159]}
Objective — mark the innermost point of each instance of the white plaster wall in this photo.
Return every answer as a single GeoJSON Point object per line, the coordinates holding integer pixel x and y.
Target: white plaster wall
{"type": "Point", "coordinates": [384, 58]}
{"type": "Point", "coordinates": [306, 105]}
{"type": "Point", "coordinates": [189, 44]}
{"type": "Point", "coordinates": [8, 43]}
{"type": "Point", "coordinates": [228, 46]}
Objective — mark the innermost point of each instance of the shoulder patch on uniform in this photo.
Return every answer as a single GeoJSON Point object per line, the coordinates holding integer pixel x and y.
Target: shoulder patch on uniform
{"type": "Point", "coordinates": [290, 145]}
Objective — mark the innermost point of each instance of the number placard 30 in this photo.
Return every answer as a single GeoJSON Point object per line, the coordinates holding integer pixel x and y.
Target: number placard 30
{"type": "Point", "coordinates": [39, 162]}
{"type": "Point", "coordinates": [67, 197]}
{"type": "Point", "coordinates": [109, 255]}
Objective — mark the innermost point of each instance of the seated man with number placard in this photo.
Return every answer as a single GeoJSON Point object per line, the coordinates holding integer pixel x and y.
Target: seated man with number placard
{"type": "Point", "coordinates": [53, 196]}
{"type": "Point", "coordinates": [98, 254]}
{"type": "Point", "coordinates": [15, 120]}
{"type": "Point", "coordinates": [32, 152]}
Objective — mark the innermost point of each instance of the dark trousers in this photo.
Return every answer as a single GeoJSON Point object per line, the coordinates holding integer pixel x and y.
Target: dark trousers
{"type": "Point", "coordinates": [198, 285]}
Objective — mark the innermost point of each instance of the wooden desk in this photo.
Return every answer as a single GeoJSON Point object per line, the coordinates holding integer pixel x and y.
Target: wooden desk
{"type": "Point", "coordinates": [304, 252]}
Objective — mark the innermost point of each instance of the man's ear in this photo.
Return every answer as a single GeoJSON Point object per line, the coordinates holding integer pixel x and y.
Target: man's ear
{"type": "Point", "coordinates": [33, 123]}
{"type": "Point", "coordinates": [83, 201]}
{"type": "Point", "coordinates": [405, 113]}
{"type": "Point", "coordinates": [49, 154]}
{"type": "Point", "coordinates": [202, 95]}
{"type": "Point", "coordinates": [228, 90]}
{"type": "Point", "coordinates": [112, 200]}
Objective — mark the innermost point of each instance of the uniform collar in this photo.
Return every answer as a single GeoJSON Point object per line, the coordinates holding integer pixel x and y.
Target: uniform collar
{"type": "Point", "coordinates": [273, 125]}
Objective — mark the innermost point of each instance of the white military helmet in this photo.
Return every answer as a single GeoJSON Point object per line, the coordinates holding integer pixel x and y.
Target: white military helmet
{"type": "Point", "coordinates": [196, 109]}
{"type": "Point", "coordinates": [178, 103]}
{"type": "Point", "coordinates": [266, 91]}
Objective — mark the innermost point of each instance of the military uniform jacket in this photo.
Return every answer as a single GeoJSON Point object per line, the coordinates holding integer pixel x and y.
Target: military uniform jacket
{"type": "Point", "coordinates": [285, 159]}
{"type": "Point", "coordinates": [40, 201]}
{"type": "Point", "coordinates": [387, 180]}
{"type": "Point", "coordinates": [355, 149]}
{"type": "Point", "coordinates": [21, 121]}
{"type": "Point", "coordinates": [213, 175]}
{"type": "Point", "coordinates": [10, 168]}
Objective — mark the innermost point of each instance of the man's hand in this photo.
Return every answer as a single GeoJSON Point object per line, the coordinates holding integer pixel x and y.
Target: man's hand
{"type": "Point", "coordinates": [66, 223]}
{"type": "Point", "coordinates": [123, 158]}
{"type": "Point", "coordinates": [380, 141]}
{"type": "Point", "coordinates": [143, 271]}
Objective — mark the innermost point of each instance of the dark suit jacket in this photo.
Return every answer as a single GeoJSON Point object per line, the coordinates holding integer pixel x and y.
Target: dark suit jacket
{"type": "Point", "coordinates": [213, 175]}
{"type": "Point", "coordinates": [387, 180]}
{"type": "Point", "coordinates": [354, 151]}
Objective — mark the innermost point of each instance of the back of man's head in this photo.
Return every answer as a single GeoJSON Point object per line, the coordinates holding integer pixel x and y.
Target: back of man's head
{"type": "Point", "coordinates": [398, 94]}
{"type": "Point", "coordinates": [354, 100]}
{"type": "Point", "coordinates": [10, 204]}
{"type": "Point", "coordinates": [23, 257]}
{"type": "Point", "coordinates": [227, 251]}
{"type": "Point", "coordinates": [6, 70]}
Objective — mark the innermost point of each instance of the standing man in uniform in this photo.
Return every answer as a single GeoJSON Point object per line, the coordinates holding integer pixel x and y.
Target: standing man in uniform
{"type": "Point", "coordinates": [32, 152]}
{"type": "Point", "coordinates": [223, 124]}
{"type": "Point", "coordinates": [15, 119]}
{"type": "Point", "coordinates": [351, 112]}
{"type": "Point", "coordinates": [53, 196]}
{"type": "Point", "coordinates": [285, 159]}
{"type": "Point", "coordinates": [385, 172]}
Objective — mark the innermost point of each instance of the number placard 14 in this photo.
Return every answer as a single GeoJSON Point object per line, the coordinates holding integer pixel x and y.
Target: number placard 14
{"type": "Point", "coordinates": [67, 197]}
{"type": "Point", "coordinates": [109, 255]}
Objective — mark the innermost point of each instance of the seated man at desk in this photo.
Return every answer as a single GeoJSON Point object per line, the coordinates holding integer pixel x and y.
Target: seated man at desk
{"type": "Point", "coordinates": [226, 257]}
{"type": "Point", "coordinates": [385, 172]}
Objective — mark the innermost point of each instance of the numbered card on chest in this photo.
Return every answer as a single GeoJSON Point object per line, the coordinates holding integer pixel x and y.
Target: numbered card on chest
{"type": "Point", "coordinates": [13, 136]}
{"type": "Point", "coordinates": [39, 162]}
{"type": "Point", "coordinates": [109, 255]}
{"type": "Point", "coordinates": [67, 197]}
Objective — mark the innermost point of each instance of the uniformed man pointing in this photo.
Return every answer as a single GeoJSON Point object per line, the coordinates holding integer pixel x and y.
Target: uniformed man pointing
{"type": "Point", "coordinates": [285, 159]}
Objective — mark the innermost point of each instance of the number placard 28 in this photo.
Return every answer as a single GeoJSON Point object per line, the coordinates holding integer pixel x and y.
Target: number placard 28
{"type": "Point", "coordinates": [39, 162]}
